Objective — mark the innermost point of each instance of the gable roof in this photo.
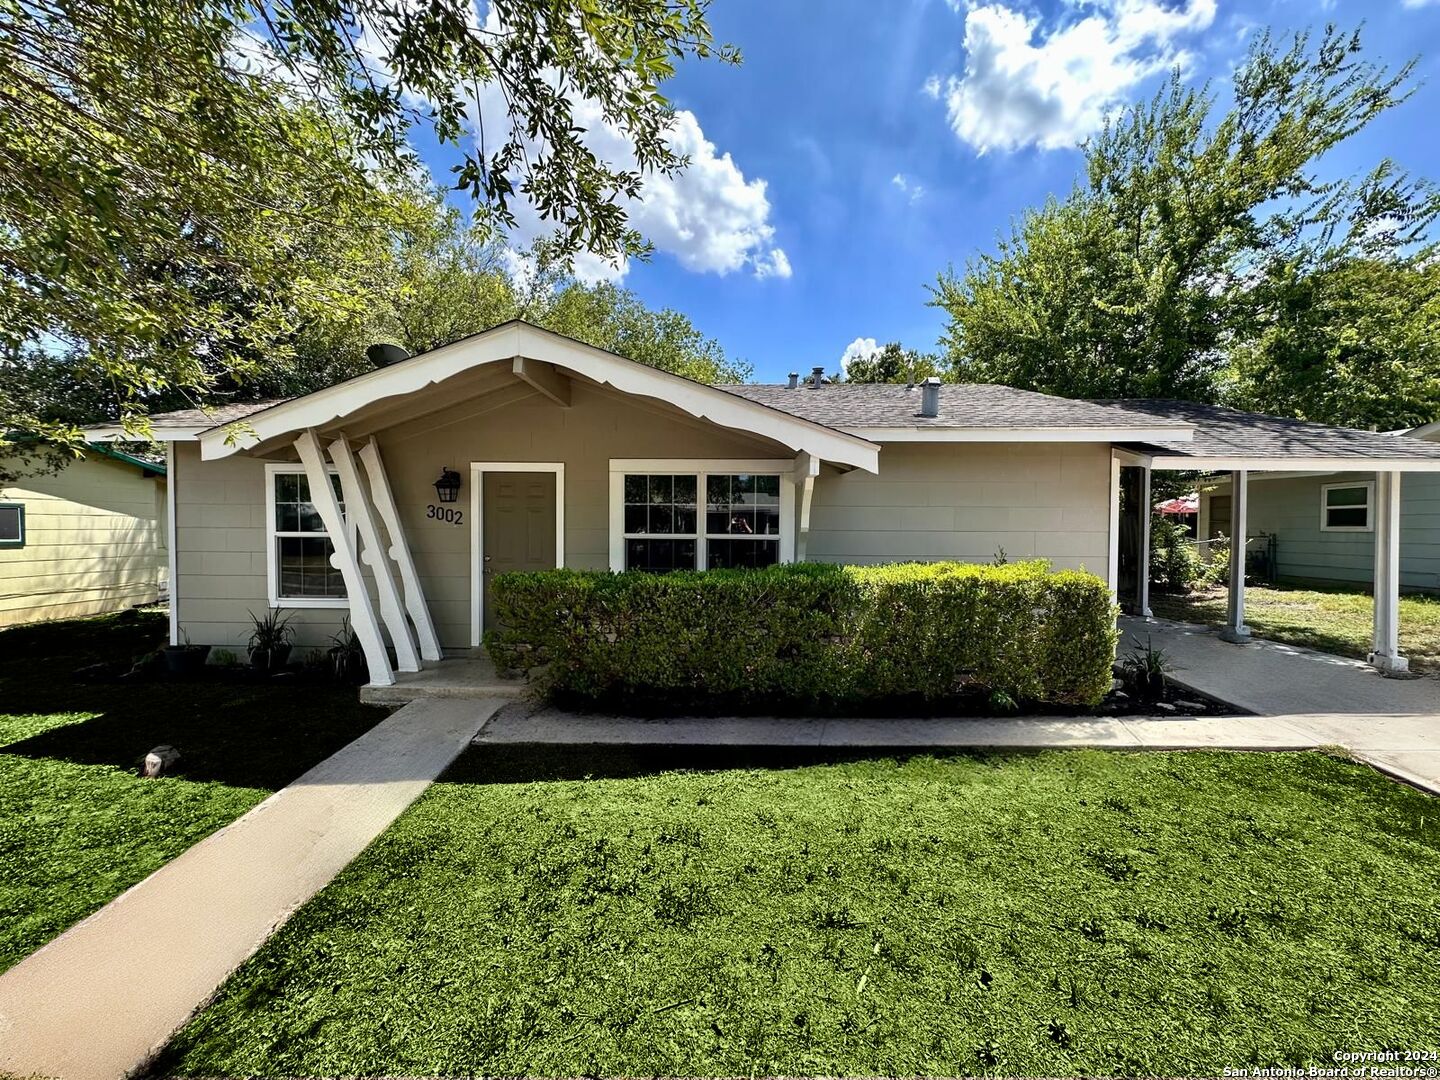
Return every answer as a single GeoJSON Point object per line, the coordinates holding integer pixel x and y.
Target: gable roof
{"type": "Point", "coordinates": [1231, 439]}
{"type": "Point", "coordinates": [890, 412]}
{"type": "Point", "coordinates": [513, 343]}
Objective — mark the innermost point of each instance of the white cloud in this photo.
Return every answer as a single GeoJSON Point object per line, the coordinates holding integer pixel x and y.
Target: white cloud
{"type": "Point", "coordinates": [860, 349]}
{"type": "Point", "coordinates": [1413, 4]}
{"type": "Point", "coordinates": [909, 188]}
{"type": "Point", "coordinates": [1023, 85]}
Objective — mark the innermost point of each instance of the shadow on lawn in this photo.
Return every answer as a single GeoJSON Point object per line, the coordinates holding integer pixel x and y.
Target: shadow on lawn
{"type": "Point", "coordinates": [523, 763]}
{"type": "Point", "coordinates": [259, 736]}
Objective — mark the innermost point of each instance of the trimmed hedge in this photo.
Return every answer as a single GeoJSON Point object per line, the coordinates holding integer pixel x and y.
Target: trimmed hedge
{"type": "Point", "coordinates": [811, 632]}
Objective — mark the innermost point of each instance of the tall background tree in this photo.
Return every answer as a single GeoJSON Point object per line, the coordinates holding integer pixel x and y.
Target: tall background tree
{"type": "Point", "coordinates": [893, 363]}
{"type": "Point", "coordinates": [194, 194]}
{"type": "Point", "coordinates": [1204, 256]}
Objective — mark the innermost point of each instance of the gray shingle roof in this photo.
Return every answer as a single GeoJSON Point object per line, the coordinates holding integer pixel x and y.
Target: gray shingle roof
{"type": "Point", "coordinates": [962, 405]}
{"type": "Point", "coordinates": [213, 416]}
{"type": "Point", "coordinates": [1230, 433]}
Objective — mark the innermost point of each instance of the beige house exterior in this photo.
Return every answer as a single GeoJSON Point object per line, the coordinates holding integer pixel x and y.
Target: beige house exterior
{"type": "Point", "coordinates": [392, 499]}
{"type": "Point", "coordinates": [87, 540]}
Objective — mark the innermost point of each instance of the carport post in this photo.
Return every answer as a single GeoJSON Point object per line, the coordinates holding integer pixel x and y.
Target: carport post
{"type": "Point", "coordinates": [1385, 651]}
{"type": "Point", "coordinates": [1235, 629]}
{"type": "Point", "coordinates": [1146, 510]}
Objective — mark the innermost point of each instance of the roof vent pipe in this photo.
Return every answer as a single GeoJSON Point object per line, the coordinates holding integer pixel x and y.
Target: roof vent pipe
{"type": "Point", "coordinates": [794, 379]}
{"type": "Point", "coordinates": [817, 376]}
{"type": "Point", "coordinates": [383, 355]}
{"type": "Point", "coordinates": [930, 397]}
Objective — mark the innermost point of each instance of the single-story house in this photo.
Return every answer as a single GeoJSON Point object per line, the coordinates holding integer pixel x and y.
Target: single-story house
{"type": "Point", "coordinates": [86, 540]}
{"type": "Point", "coordinates": [393, 497]}
{"type": "Point", "coordinates": [1319, 528]}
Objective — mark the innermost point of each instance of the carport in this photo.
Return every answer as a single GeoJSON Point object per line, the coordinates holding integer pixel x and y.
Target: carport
{"type": "Point", "coordinates": [1228, 440]}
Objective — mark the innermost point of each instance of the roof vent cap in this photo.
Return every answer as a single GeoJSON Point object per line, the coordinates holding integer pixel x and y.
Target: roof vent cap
{"type": "Point", "coordinates": [383, 355]}
{"type": "Point", "coordinates": [817, 376]}
{"type": "Point", "coordinates": [930, 397]}
{"type": "Point", "coordinates": [794, 379]}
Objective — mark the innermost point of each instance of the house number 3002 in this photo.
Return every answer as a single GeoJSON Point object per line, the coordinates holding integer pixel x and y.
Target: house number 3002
{"type": "Point", "coordinates": [447, 514]}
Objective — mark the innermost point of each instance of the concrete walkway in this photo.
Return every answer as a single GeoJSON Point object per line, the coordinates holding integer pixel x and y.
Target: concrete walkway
{"type": "Point", "coordinates": [102, 998]}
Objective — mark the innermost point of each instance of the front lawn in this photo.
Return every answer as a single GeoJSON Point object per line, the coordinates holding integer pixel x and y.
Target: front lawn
{"type": "Point", "coordinates": [1332, 620]}
{"type": "Point", "coordinates": [595, 912]}
{"type": "Point", "coordinates": [78, 826]}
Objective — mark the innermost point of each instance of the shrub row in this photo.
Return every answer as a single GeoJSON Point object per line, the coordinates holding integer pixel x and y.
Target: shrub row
{"type": "Point", "coordinates": [811, 633]}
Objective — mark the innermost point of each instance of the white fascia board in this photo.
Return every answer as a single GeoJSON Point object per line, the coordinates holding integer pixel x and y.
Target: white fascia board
{"type": "Point", "coordinates": [1002, 435]}
{"type": "Point", "coordinates": [504, 344]}
{"type": "Point", "coordinates": [1295, 465]}
{"type": "Point", "coordinates": [158, 433]}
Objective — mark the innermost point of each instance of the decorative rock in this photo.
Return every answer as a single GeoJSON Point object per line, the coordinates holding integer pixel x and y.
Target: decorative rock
{"type": "Point", "coordinates": [160, 761]}
{"type": "Point", "coordinates": [1165, 706]}
{"type": "Point", "coordinates": [1191, 706]}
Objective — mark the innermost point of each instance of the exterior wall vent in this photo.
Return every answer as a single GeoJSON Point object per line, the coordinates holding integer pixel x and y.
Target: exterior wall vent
{"type": "Point", "coordinates": [930, 397]}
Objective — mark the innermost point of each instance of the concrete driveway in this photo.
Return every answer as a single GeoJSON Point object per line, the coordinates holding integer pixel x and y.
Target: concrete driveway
{"type": "Point", "coordinates": [1394, 723]}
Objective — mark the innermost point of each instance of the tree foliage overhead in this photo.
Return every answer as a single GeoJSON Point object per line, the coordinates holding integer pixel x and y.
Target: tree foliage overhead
{"type": "Point", "coordinates": [1188, 259]}
{"type": "Point", "coordinates": [190, 191]}
{"type": "Point", "coordinates": [893, 363]}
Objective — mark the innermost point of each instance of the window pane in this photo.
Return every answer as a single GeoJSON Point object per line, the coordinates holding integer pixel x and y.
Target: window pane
{"type": "Point", "coordinates": [10, 524]}
{"type": "Point", "coordinates": [287, 517]}
{"type": "Point", "coordinates": [661, 520]}
{"type": "Point", "coordinates": [684, 519]}
{"type": "Point", "coordinates": [1346, 517]}
{"type": "Point", "coordinates": [717, 492]}
{"type": "Point", "coordinates": [660, 489]}
{"type": "Point", "coordinates": [742, 554]}
{"type": "Point", "coordinates": [305, 569]}
{"type": "Point", "coordinates": [294, 512]}
{"type": "Point", "coordinates": [767, 490]}
{"type": "Point", "coordinates": [660, 556]}
{"type": "Point", "coordinates": [637, 519]}
{"type": "Point", "coordinates": [287, 488]}
{"type": "Point", "coordinates": [742, 486]}
{"type": "Point", "coordinates": [1350, 496]}
{"type": "Point", "coordinates": [743, 505]}
{"type": "Point", "coordinates": [637, 489]}
{"type": "Point", "coordinates": [767, 522]}
{"type": "Point", "coordinates": [684, 490]}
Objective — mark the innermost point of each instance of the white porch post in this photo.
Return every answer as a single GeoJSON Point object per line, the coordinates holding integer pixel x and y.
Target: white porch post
{"type": "Point", "coordinates": [1235, 629]}
{"type": "Point", "coordinates": [373, 552]}
{"type": "Point", "coordinates": [1145, 511]}
{"type": "Point", "coordinates": [362, 610]}
{"type": "Point", "coordinates": [807, 468]}
{"type": "Point", "coordinates": [1385, 651]}
{"type": "Point", "coordinates": [400, 550]}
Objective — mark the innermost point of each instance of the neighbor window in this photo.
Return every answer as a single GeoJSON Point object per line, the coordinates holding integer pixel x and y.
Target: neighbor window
{"type": "Point", "coordinates": [699, 520]}
{"type": "Point", "coordinates": [12, 525]}
{"type": "Point", "coordinates": [300, 546]}
{"type": "Point", "coordinates": [1346, 507]}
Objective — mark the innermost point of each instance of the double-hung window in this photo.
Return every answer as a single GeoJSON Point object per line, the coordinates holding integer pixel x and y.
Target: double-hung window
{"type": "Point", "coordinates": [300, 547]}
{"type": "Point", "coordinates": [704, 515]}
{"type": "Point", "coordinates": [1347, 507]}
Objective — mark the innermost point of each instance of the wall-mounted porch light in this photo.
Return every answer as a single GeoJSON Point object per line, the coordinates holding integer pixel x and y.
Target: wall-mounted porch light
{"type": "Point", "coordinates": [448, 486]}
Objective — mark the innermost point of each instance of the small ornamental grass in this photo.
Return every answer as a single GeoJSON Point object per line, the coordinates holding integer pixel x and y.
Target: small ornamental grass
{"type": "Point", "coordinates": [606, 911]}
{"type": "Point", "coordinates": [812, 634]}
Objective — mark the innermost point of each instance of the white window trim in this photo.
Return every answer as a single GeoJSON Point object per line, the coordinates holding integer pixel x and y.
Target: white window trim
{"type": "Point", "coordinates": [272, 563]}
{"type": "Point", "coordinates": [1369, 526]}
{"type": "Point", "coordinates": [478, 469]}
{"type": "Point", "coordinates": [700, 468]}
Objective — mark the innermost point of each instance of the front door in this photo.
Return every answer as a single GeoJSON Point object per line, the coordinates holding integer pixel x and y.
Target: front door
{"type": "Point", "coordinates": [518, 515]}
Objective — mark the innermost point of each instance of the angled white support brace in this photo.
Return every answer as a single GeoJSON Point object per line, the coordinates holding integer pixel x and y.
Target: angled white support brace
{"type": "Point", "coordinates": [1235, 629]}
{"type": "Point", "coordinates": [373, 552]}
{"type": "Point", "coordinates": [362, 611]}
{"type": "Point", "coordinates": [1385, 649]}
{"type": "Point", "coordinates": [807, 468]}
{"type": "Point", "coordinates": [400, 550]}
{"type": "Point", "coordinates": [544, 378]}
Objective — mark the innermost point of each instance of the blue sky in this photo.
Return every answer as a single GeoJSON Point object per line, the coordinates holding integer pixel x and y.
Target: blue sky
{"type": "Point", "coordinates": [897, 137]}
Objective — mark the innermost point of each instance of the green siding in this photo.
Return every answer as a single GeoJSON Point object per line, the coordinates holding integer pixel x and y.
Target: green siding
{"type": "Point", "coordinates": [1290, 509]}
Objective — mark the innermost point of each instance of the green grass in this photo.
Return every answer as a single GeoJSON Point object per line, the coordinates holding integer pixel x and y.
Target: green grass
{"type": "Point", "coordinates": [592, 912]}
{"type": "Point", "coordinates": [1331, 620]}
{"type": "Point", "coordinates": [78, 826]}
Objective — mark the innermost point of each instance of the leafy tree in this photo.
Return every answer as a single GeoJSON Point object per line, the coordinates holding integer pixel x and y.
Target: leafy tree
{"type": "Point", "coordinates": [893, 363]}
{"type": "Point", "coordinates": [1138, 283]}
{"type": "Point", "coordinates": [184, 184]}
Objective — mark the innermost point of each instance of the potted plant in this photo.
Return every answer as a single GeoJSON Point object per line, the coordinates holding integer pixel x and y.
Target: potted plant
{"type": "Point", "coordinates": [347, 657]}
{"type": "Point", "coordinates": [270, 642]}
{"type": "Point", "coordinates": [185, 659]}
